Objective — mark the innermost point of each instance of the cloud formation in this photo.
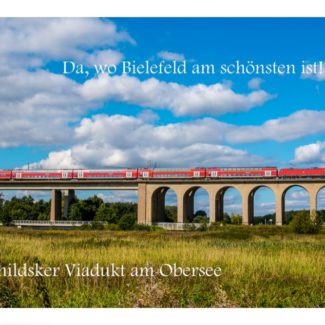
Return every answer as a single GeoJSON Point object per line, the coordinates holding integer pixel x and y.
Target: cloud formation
{"type": "Point", "coordinates": [310, 154]}
{"type": "Point", "coordinates": [216, 99]}
{"type": "Point", "coordinates": [318, 74]}
{"type": "Point", "coordinates": [34, 41]}
{"type": "Point", "coordinates": [171, 56]}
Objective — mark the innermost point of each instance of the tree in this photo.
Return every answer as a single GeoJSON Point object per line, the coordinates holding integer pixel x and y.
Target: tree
{"type": "Point", "coordinates": [105, 213]}
{"type": "Point", "coordinates": [75, 212]}
{"type": "Point", "coordinates": [201, 219]}
{"type": "Point", "coordinates": [304, 223]}
{"type": "Point", "coordinates": [236, 219]}
{"type": "Point", "coordinates": [127, 221]}
{"type": "Point", "coordinates": [170, 213]}
{"type": "Point", "coordinates": [5, 217]}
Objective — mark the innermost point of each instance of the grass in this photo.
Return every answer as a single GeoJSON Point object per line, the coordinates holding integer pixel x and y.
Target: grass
{"type": "Point", "coordinates": [262, 266]}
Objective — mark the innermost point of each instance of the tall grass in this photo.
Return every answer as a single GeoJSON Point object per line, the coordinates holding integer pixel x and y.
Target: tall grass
{"type": "Point", "coordinates": [261, 267]}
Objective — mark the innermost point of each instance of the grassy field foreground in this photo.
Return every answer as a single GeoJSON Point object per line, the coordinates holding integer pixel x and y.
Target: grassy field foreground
{"type": "Point", "coordinates": [261, 267]}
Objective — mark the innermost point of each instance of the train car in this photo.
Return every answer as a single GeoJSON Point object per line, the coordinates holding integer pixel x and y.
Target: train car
{"type": "Point", "coordinates": [241, 172]}
{"type": "Point", "coordinates": [145, 173]}
{"type": "Point", "coordinates": [178, 173]}
{"type": "Point", "coordinates": [41, 174]}
{"type": "Point", "coordinates": [105, 173]}
{"type": "Point", "coordinates": [5, 174]}
{"type": "Point", "coordinates": [302, 172]}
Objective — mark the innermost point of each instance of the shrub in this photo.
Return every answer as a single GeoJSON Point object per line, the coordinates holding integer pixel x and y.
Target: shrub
{"type": "Point", "coordinates": [203, 227]}
{"type": "Point", "coordinates": [127, 221]}
{"type": "Point", "coordinates": [304, 223]}
{"type": "Point", "coordinates": [5, 217]}
{"type": "Point", "coordinates": [95, 225]}
{"type": "Point", "coordinates": [111, 226]}
{"type": "Point", "coordinates": [201, 219]}
{"type": "Point", "coordinates": [235, 219]}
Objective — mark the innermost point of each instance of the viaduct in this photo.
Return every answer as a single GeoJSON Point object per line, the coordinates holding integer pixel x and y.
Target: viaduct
{"type": "Point", "coordinates": [151, 194]}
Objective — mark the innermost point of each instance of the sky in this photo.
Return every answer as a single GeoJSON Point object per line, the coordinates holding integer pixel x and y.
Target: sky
{"type": "Point", "coordinates": [56, 120]}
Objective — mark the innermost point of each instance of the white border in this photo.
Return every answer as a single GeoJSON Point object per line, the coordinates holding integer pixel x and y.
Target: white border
{"type": "Point", "coordinates": [160, 316]}
{"type": "Point", "coordinates": [161, 8]}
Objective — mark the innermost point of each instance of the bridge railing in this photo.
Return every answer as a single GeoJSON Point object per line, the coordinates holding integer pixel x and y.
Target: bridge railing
{"type": "Point", "coordinates": [176, 225]}
{"type": "Point", "coordinates": [48, 222]}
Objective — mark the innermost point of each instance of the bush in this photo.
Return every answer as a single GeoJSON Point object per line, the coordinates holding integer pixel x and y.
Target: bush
{"type": "Point", "coordinates": [95, 225]}
{"type": "Point", "coordinates": [127, 221]}
{"type": "Point", "coordinates": [304, 223]}
{"type": "Point", "coordinates": [201, 219]}
{"type": "Point", "coordinates": [5, 217]}
{"type": "Point", "coordinates": [235, 219]}
{"type": "Point", "coordinates": [112, 226]}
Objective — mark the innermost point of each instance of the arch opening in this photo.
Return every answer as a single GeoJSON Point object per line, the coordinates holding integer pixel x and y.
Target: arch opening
{"type": "Point", "coordinates": [164, 205]}
{"type": "Point", "coordinates": [263, 206]}
{"type": "Point", "coordinates": [320, 204]}
{"type": "Point", "coordinates": [229, 205]}
{"type": "Point", "coordinates": [295, 198]}
{"type": "Point", "coordinates": [196, 205]}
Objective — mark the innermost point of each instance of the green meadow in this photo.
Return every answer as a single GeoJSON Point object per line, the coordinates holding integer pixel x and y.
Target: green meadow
{"type": "Point", "coordinates": [262, 266]}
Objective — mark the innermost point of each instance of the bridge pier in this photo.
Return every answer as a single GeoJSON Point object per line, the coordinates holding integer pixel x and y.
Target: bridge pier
{"type": "Point", "coordinates": [56, 205]}
{"type": "Point", "coordinates": [313, 191]}
{"type": "Point", "coordinates": [69, 196]}
{"type": "Point", "coordinates": [142, 204]}
{"type": "Point", "coordinates": [279, 207]}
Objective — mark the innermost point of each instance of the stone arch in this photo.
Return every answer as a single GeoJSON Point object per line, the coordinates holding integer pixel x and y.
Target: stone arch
{"type": "Point", "coordinates": [251, 198]}
{"type": "Point", "coordinates": [283, 198]}
{"type": "Point", "coordinates": [188, 202]}
{"type": "Point", "coordinates": [219, 200]}
{"type": "Point", "coordinates": [320, 205]}
{"type": "Point", "coordinates": [158, 198]}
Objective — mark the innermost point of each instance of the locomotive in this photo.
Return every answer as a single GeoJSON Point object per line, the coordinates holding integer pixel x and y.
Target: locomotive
{"type": "Point", "coordinates": [162, 173]}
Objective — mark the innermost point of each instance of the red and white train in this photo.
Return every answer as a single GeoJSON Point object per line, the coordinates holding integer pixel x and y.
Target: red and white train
{"type": "Point", "coordinates": [162, 173]}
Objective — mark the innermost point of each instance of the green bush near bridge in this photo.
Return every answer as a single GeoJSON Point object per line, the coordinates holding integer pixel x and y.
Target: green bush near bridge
{"type": "Point", "coordinates": [262, 266]}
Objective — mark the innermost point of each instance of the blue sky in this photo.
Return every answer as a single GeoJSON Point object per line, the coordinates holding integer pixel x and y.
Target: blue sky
{"type": "Point", "coordinates": [67, 121]}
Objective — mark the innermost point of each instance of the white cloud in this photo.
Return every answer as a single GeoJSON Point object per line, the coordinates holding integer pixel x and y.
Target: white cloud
{"type": "Point", "coordinates": [171, 56]}
{"type": "Point", "coordinates": [318, 74]}
{"type": "Point", "coordinates": [216, 99]}
{"type": "Point", "coordinates": [297, 199]}
{"type": "Point", "coordinates": [36, 195]}
{"type": "Point", "coordinates": [310, 153]}
{"type": "Point", "coordinates": [118, 140]}
{"type": "Point", "coordinates": [37, 107]}
{"type": "Point", "coordinates": [297, 125]}
{"type": "Point", "coordinates": [104, 57]}
{"type": "Point", "coordinates": [119, 196]}
{"type": "Point", "coordinates": [255, 83]}
{"type": "Point", "coordinates": [43, 39]}
{"type": "Point", "coordinates": [148, 116]}
{"type": "Point", "coordinates": [57, 160]}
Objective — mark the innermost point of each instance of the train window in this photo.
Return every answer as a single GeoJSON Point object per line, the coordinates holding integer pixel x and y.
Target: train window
{"type": "Point", "coordinates": [267, 173]}
{"type": "Point", "coordinates": [214, 173]}
{"type": "Point", "coordinates": [80, 174]}
{"type": "Point", "coordinates": [128, 174]}
{"type": "Point", "coordinates": [65, 175]}
{"type": "Point", "coordinates": [196, 174]}
{"type": "Point", "coordinates": [145, 174]}
{"type": "Point", "coordinates": [18, 175]}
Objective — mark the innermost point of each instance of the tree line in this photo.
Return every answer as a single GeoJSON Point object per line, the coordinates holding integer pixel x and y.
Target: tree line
{"type": "Point", "coordinates": [119, 213]}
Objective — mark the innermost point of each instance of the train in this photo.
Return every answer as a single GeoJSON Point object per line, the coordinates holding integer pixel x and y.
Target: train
{"type": "Point", "coordinates": [162, 173]}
